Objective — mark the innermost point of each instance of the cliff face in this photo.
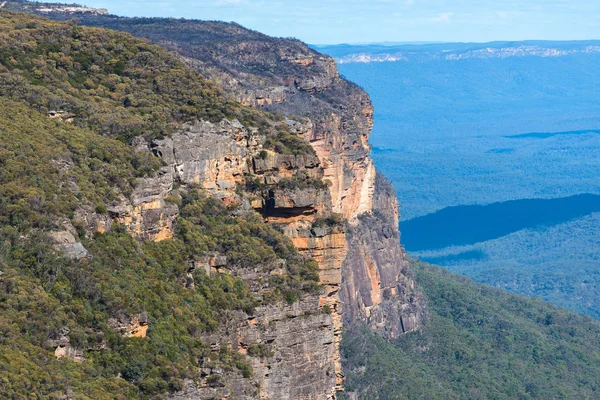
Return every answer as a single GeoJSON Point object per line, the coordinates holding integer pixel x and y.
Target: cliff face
{"type": "Point", "coordinates": [291, 349]}
{"type": "Point", "coordinates": [294, 349]}
{"type": "Point", "coordinates": [363, 270]}
{"type": "Point", "coordinates": [377, 284]}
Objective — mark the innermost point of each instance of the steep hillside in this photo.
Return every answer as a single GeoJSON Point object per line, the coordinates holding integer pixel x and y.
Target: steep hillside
{"type": "Point", "coordinates": [477, 343]}
{"type": "Point", "coordinates": [215, 250]}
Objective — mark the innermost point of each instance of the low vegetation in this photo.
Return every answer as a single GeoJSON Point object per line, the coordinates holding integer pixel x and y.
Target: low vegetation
{"type": "Point", "coordinates": [116, 85]}
{"type": "Point", "coordinates": [478, 343]}
{"type": "Point", "coordinates": [49, 168]}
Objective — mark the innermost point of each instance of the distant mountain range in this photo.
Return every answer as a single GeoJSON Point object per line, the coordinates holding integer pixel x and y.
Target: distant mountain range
{"type": "Point", "coordinates": [345, 53]}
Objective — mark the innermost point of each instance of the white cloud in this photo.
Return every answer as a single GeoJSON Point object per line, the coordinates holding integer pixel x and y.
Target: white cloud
{"type": "Point", "coordinates": [444, 17]}
{"type": "Point", "coordinates": [226, 2]}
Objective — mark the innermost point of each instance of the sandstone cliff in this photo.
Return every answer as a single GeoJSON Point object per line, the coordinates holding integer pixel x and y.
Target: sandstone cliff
{"type": "Point", "coordinates": [331, 202]}
{"type": "Point", "coordinates": [363, 269]}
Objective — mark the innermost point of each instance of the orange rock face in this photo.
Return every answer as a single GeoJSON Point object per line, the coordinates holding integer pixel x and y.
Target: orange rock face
{"type": "Point", "coordinates": [139, 331]}
{"type": "Point", "coordinates": [329, 248]}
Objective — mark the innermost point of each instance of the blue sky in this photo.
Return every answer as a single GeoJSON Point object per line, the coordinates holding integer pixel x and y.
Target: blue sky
{"type": "Point", "coordinates": [365, 21]}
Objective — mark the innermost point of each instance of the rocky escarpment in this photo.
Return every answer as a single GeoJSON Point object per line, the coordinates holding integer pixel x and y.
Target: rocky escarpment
{"type": "Point", "coordinates": [378, 285]}
{"type": "Point", "coordinates": [292, 348]}
{"type": "Point", "coordinates": [363, 269]}
{"type": "Point", "coordinates": [330, 203]}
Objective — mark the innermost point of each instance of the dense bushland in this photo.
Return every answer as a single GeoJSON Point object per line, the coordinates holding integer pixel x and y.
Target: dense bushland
{"type": "Point", "coordinates": [115, 84]}
{"type": "Point", "coordinates": [478, 343]}
{"type": "Point", "coordinates": [115, 87]}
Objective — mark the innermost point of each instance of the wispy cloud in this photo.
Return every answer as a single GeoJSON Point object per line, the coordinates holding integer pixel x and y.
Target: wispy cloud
{"type": "Point", "coordinates": [443, 17]}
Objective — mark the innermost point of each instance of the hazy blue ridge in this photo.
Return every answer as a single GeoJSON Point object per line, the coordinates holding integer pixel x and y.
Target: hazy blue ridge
{"type": "Point", "coordinates": [343, 50]}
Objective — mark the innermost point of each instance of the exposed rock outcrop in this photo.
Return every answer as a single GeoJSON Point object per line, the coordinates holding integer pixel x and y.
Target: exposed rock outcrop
{"type": "Point", "coordinates": [66, 242]}
{"type": "Point", "coordinates": [378, 287]}
{"type": "Point", "coordinates": [328, 246]}
{"type": "Point", "coordinates": [63, 348]}
{"type": "Point", "coordinates": [69, 352]}
{"type": "Point", "coordinates": [290, 348]}
{"type": "Point", "coordinates": [136, 326]}
{"type": "Point", "coordinates": [213, 156]}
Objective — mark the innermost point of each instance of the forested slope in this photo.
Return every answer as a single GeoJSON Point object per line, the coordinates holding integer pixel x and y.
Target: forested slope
{"type": "Point", "coordinates": [106, 86]}
{"type": "Point", "coordinates": [478, 343]}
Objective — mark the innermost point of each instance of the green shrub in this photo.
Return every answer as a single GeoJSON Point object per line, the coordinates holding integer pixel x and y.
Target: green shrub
{"type": "Point", "coordinates": [331, 220]}
{"type": "Point", "coordinates": [101, 209]}
{"type": "Point", "coordinates": [259, 350]}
